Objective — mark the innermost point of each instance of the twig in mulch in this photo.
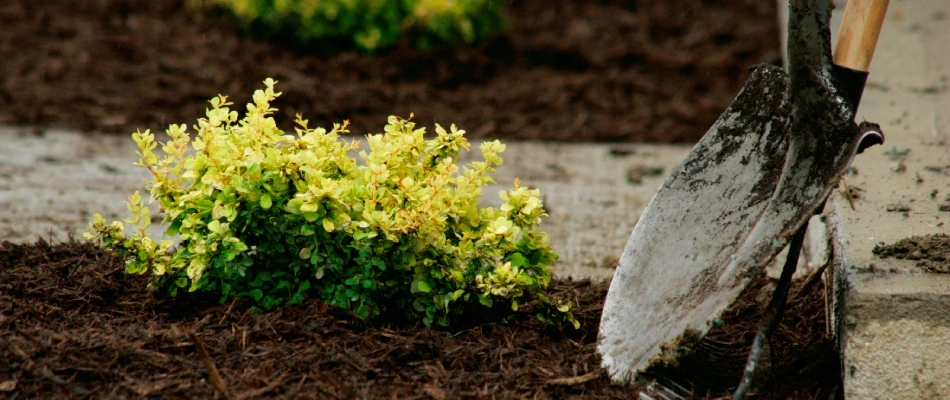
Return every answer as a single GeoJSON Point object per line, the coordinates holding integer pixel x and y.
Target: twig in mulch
{"type": "Point", "coordinates": [78, 390]}
{"type": "Point", "coordinates": [228, 312]}
{"type": "Point", "coordinates": [216, 379]}
{"type": "Point", "coordinates": [260, 391]}
{"type": "Point", "coordinates": [576, 380]}
{"type": "Point", "coordinates": [813, 278]}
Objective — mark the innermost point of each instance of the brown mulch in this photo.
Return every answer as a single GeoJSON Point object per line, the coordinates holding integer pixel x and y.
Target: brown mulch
{"type": "Point", "coordinates": [73, 325]}
{"type": "Point", "coordinates": [659, 71]}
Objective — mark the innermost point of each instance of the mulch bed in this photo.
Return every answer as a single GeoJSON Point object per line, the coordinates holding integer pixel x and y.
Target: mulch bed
{"type": "Point", "coordinates": [74, 325]}
{"type": "Point", "coordinates": [659, 71]}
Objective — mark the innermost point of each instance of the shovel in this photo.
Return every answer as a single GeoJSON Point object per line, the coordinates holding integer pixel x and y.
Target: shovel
{"type": "Point", "coordinates": [743, 194]}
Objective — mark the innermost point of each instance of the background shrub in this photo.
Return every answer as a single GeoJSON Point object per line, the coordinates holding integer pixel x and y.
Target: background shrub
{"type": "Point", "coordinates": [273, 217]}
{"type": "Point", "coordinates": [371, 24]}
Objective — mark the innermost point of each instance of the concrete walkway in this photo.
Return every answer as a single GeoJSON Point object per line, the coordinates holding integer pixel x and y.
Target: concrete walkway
{"type": "Point", "coordinates": [893, 318]}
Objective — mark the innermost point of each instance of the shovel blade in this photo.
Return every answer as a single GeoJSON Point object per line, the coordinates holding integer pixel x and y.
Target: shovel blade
{"type": "Point", "coordinates": [762, 170]}
{"type": "Point", "coordinates": [671, 276]}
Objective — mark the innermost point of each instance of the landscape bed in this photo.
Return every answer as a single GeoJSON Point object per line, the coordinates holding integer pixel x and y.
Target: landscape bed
{"type": "Point", "coordinates": [74, 325]}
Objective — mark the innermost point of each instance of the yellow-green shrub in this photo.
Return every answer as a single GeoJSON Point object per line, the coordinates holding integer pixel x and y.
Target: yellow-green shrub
{"type": "Point", "coordinates": [371, 24]}
{"type": "Point", "coordinates": [273, 217]}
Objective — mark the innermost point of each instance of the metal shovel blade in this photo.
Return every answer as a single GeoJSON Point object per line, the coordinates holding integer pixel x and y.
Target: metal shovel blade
{"type": "Point", "coordinates": [759, 173]}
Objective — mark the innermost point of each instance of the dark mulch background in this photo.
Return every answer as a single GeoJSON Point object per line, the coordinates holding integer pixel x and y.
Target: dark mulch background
{"type": "Point", "coordinates": [73, 325]}
{"type": "Point", "coordinates": [657, 71]}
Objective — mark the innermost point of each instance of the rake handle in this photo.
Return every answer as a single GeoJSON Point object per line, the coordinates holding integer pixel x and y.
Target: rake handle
{"type": "Point", "coordinates": [858, 33]}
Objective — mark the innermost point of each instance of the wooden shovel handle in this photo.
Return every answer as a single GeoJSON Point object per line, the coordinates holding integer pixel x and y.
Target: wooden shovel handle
{"type": "Point", "coordinates": [857, 36]}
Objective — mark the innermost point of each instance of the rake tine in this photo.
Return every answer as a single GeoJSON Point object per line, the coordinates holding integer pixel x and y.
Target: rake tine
{"type": "Point", "coordinates": [773, 313]}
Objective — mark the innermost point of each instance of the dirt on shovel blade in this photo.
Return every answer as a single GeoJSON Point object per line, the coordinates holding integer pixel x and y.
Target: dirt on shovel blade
{"type": "Point", "coordinates": [74, 325]}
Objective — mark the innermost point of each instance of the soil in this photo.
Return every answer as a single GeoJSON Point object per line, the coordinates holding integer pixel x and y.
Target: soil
{"type": "Point", "coordinates": [74, 325]}
{"type": "Point", "coordinates": [932, 252]}
{"type": "Point", "coordinates": [657, 71]}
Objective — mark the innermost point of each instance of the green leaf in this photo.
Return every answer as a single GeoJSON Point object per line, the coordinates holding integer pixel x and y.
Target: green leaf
{"type": "Point", "coordinates": [518, 260]}
{"type": "Point", "coordinates": [204, 205]}
{"type": "Point", "coordinates": [265, 201]}
{"type": "Point", "coordinates": [173, 228]}
{"type": "Point", "coordinates": [420, 287]}
{"type": "Point", "coordinates": [305, 253]}
{"type": "Point", "coordinates": [310, 216]}
{"type": "Point", "coordinates": [260, 279]}
{"type": "Point", "coordinates": [416, 305]}
{"type": "Point", "coordinates": [255, 294]}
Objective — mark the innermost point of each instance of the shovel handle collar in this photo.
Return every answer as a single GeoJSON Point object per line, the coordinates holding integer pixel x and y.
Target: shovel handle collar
{"type": "Point", "coordinates": [858, 34]}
